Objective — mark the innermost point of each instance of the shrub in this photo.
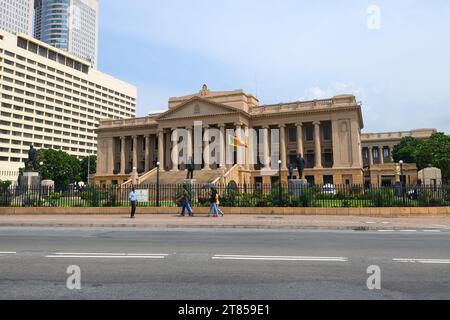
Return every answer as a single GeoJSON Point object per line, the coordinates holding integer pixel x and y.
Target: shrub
{"type": "Point", "coordinates": [5, 194]}
{"type": "Point", "coordinates": [53, 199]}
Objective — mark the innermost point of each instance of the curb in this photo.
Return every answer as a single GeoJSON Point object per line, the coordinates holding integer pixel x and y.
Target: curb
{"type": "Point", "coordinates": [177, 226]}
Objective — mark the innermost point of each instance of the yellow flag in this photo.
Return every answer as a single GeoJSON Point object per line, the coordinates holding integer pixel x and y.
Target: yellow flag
{"type": "Point", "coordinates": [235, 142]}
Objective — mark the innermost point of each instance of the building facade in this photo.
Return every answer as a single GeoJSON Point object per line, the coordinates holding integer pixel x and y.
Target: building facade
{"type": "Point", "coordinates": [377, 149]}
{"type": "Point", "coordinates": [326, 132]}
{"type": "Point", "coordinates": [70, 25]}
{"type": "Point", "coordinates": [16, 16]}
{"type": "Point", "coordinates": [51, 99]}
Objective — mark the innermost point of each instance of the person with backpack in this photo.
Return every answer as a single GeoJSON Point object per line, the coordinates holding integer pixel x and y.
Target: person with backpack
{"type": "Point", "coordinates": [218, 205]}
{"type": "Point", "coordinates": [185, 202]}
{"type": "Point", "coordinates": [213, 203]}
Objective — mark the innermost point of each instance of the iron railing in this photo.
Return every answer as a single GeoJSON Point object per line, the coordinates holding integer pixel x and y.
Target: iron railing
{"type": "Point", "coordinates": [232, 195]}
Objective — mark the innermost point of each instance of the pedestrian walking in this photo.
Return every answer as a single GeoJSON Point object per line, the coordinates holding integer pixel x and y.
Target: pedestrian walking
{"type": "Point", "coordinates": [218, 205]}
{"type": "Point", "coordinates": [133, 201]}
{"type": "Point", "coordinates": [213, 203]}
{"type": "Point", "coordinates": [185, 199]}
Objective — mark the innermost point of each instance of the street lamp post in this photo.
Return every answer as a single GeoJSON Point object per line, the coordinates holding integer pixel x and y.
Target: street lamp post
{"type": "Point", "coordinates": [41, 164]}
{"type": "Point", "coordinates": [279, 183]}
{"type": "Point", "coordinates": [402, 182]}
{"type": "Point", "coordinates": [88, 170]}
{"type": "Point", "coordinates": [157, 183]}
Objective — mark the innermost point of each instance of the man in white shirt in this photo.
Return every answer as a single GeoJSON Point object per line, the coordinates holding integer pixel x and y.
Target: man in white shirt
{"type": "Point", "coordinates": [132, 198]}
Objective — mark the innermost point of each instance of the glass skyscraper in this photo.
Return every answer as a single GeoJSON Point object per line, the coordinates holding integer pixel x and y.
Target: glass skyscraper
{"type": "Point", "coordinates": [70, 25]}
{"type": "Point", "coordinates": [16, 16]}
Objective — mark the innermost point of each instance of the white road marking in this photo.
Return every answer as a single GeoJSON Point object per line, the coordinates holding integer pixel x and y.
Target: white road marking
{"type": "Point", "coordinates": [8, 252]}
{"type": "Point", "coordinates": [408, 230]}
{"type": "Point", "coordinates": [370, 222]}
{"type": "Point", "coordinates": [431, 230]}
{"type": "Point", "coordinates": [108, 255]}
{"type": "Point", "coordinates": [279, 258]}
{"type": "Point", "coordinates": [386, 230]}
{"type": "Point", "coordinates": [425, 261]}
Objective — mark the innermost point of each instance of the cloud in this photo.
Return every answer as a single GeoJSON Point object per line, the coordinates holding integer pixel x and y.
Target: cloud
{"type": "Point", "coordinates": [337, 88]}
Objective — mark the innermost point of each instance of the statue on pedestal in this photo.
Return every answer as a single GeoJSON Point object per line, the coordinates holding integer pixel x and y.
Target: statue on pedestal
{"type": "Point", "coordinates": [300, 166]}
{"type": "Point", "coordinates": [32, 156]}
{"type": "Point", "coordinates": [190, 169]}
{"type": "Point", "coordinates": [291, 171]}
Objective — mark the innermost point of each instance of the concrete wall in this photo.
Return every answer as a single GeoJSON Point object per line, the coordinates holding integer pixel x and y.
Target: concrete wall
{"type": "Point", "coordinates": [372, 212]}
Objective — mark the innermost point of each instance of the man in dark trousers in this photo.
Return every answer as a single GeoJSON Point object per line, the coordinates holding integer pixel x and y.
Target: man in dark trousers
{"type": "Point", "coordinates": [132, 198]}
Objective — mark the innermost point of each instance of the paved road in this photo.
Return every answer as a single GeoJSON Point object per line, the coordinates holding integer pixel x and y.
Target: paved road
{"type": "Point", "coordinates": [222, 264]}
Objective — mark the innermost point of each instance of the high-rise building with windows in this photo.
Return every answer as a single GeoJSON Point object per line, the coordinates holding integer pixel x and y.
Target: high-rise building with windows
{"type": "Point", "coordinates": [16, 16]}
{"type": "Point", "coordinates": [53, 100]}
{"type": "Point", "coordinates": [69, 25]}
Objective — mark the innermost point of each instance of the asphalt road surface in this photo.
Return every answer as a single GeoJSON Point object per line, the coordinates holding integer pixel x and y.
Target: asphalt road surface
{"type": "Point", "coordinates": [222, 264]}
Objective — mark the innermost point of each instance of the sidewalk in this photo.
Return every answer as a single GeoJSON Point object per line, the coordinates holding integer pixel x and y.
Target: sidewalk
{"type": "Point", "coordinates": [234, 222]}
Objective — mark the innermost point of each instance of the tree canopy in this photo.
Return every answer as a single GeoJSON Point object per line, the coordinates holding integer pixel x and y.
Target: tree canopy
{"type": "Point", "coordinates": [434, 151]}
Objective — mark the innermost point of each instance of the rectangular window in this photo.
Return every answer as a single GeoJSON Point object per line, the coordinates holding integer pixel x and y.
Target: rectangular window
{"type": "Point", "coordinates": [327, 131]}
{"type": "Point", "coordinates": [309, 134]}
{"type": "Point", "coordinates": [292, 134]}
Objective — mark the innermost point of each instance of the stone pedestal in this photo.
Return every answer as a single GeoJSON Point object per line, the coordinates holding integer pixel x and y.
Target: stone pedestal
{"type": "Point", "coordinates": [30, 180]}
{"type": "Point", "coordinates": [190, 181]}
{"type": "Point", "coordinates": [48, 186]}
{"type": "Point", "coordinates": [296, 187]}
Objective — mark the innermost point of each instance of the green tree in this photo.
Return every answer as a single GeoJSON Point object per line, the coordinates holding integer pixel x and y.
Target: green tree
{"type": "Point", "coordinates": [436, 152]}
{"type": "Point", "coordinates": [84, 167]}
{"type": "Point", "coordinates": [60, 167]}
{"type": "Point", "coordinates": [406, 150]}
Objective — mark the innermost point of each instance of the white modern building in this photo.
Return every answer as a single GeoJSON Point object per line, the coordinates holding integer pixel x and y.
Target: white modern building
{"type": "Point", "coordinates": [16, 16]}
{"type": "Point", "coordinates": [52, 99]}
{"type": "Point", "coordinates": [70, 25]}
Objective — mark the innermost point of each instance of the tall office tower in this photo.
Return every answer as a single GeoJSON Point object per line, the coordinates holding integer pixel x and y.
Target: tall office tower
{"type": "Point", "coordinates": [53, 100]}
{"type": "Point", "coordinates": [69, 25]}
{"type": "Point", "coordinates": [16, 16]}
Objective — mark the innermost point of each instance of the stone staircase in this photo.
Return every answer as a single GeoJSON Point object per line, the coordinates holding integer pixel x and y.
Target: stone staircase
{"type": "Point", "coordinates": [174, 177]}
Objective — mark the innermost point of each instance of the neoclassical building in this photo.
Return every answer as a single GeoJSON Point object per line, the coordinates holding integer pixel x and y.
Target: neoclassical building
{"type": "Point", "coordinates": [327, 133]}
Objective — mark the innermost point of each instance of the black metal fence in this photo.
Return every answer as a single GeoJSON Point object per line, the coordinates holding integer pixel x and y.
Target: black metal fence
{"type": "Point", "coordinates": [232, 195]}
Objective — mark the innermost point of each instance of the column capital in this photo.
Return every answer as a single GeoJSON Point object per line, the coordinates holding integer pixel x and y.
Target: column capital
{"type": "Point", "coordinates": [282, 125]}
{"type": "Point", "coordinates": [265, 127]}
{"type": "Point", "coordinates": [299, 124]}
{"type": "Point", "coordinates": [316, 123]}
{"type": "Point", "coordinates": [238, 124]}
{"type": "Point", "coordinates": [221, 125]}
{"type": "Point", "coordinates": [122, 137]}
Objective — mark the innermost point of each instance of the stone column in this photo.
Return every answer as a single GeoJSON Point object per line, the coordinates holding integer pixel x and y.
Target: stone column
{"type": "Point", "coordinates": [300, 139]}
{"type": "Point", "coordinates": [266, 151]}
{"type": "Point", "coordinates": [161, 149]}
{"type": "Point", "coordinates": [147, 153]}
{"type": "Point", "coordinates": [135, 159]}
{"type": "Point", "coordinates": [206, 140]}
{"type": "Point", "coordinates": [248, 148]}
{"type": "Point", "coordinates": [318, 145]}
{"type": "Point", "coordinates": [122, 155]}
{"type": "Point", "coordinates": [391, 154]}
{"type": "Point", "coordinates": [371, 156]}
{"type": "Point", "coordinates": [283, 150]}
{"type": "Point", "coordinates": [239, 149]}
{"type": "Point", "coordinates": [175, 151]}
{"type": "Point", "coordinates": [381, 154]}
{"type": "Point", "coordinates": [223, 143]}
{"type": "Point", "coordinates": [189, 149]}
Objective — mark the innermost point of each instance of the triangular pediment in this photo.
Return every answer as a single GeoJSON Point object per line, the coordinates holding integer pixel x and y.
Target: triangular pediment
{"type": "Point", "coordinates": [198, 107]}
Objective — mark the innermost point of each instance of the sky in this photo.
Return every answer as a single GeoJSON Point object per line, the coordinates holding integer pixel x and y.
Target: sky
{"type": "Point", "coordinates": [394, 56]}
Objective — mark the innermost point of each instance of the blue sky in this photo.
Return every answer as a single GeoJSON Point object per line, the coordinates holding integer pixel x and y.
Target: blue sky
{"type": "Point", "coordinates": [286, 50]}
